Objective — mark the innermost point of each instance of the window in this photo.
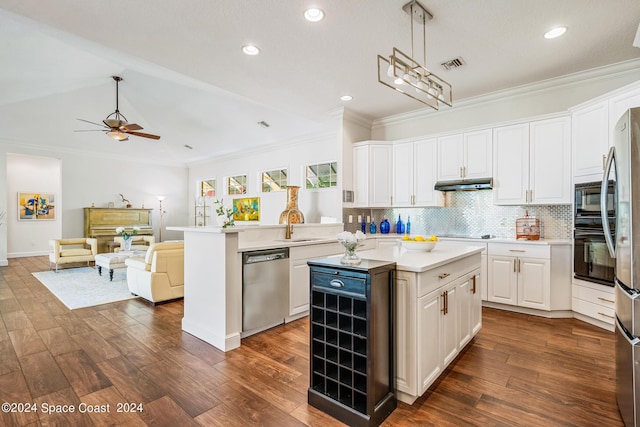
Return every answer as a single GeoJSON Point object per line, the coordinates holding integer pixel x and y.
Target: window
{"type": "Point", "coordinates": [275, 180]}
{"type": "Point", "coordinates": [208, 188]}
{"type": "Point", "coordinates": [323, 175]}
{"type": "Point", "coordinates": [237, 184]}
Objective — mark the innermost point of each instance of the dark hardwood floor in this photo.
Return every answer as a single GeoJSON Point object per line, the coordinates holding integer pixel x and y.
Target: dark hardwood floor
{"type": "Point", "coordinates": [519, 371]}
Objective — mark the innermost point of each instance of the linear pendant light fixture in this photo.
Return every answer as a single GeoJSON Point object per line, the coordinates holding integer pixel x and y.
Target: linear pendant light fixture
{"type": "Point", "coordinates": [406, 75]}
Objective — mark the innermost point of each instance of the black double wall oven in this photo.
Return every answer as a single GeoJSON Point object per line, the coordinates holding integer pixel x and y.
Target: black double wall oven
{"type": "Point", "coordinates": [591, 260]}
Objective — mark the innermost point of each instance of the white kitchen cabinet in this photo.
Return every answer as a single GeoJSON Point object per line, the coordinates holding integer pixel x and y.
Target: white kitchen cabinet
{"type": "Point", "coordinates": [532, 163]}
{"type": "Point", "coordinates": [299, 274]}
{"type": "Point", "coordinates": [436, 316]}
{"type": "Point", "coordinates": [414, 174]}
{"type": "Point", "coordinates": [530, 275]}
{"type": "Point", "coordinates": [594, 303]}
{"type": "Point", "coordinates": [519, 280]}
{"type": "Point", "coordinates": [372, 174]}
{"type": "Point", "coordinates": [465, 156]}
{"type": "Point", "coordinates": [620, 103]}
{"type": "Point", "coordinates": [590, 140]}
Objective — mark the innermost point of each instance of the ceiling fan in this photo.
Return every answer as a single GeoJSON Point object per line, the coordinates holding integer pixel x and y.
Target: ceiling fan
{"type": "Point", "coordinates": [116, 126]}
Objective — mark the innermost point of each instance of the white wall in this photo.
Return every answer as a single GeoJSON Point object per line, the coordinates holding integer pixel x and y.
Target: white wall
{"type": "Point", "coordinates": [32, 174]}
{"type": "Point", "coordinates": [293, 157]}
{"type": "Point", "coordinates": [548, 97]}
{"type": "Point", "coordinates": [84, 180]}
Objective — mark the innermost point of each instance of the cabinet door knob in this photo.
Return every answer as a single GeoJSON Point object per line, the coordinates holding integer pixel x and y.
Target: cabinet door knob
{"type": "Point", "coordinates": [474, 284]}
{"type": "Point", "coordinates": [337, 283]}
{"type": "Point", "coordinates": [514, 265]}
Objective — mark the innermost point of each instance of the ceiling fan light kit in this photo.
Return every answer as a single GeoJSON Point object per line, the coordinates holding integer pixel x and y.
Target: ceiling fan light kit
{"type": "Point", "coordinates": [406, 75]}
{"type": "Point", "coordinates": [116, 126]}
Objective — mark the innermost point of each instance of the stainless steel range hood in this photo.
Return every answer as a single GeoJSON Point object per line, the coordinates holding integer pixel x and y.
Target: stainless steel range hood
{"type": "Point", "coordinates": [465, 185]}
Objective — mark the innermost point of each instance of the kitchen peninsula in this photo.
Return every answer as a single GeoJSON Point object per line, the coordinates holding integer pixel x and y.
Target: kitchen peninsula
{"type": "Point", "coordinates": [437, 295]}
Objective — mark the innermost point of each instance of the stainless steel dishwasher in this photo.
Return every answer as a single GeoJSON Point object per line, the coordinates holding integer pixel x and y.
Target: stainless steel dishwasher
{"type": "Point", "coordinates": [265, 289]}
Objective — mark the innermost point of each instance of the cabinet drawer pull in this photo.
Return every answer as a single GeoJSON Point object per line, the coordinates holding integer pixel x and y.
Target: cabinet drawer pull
{"type": "Point", "coordinates": [606, 300]}
{"type": "Point", "coordinates": [444, 275]}
{"type": "Point", "coordinates": [606, 315]}
{"type": "Point", "coordinates": [474, 284]}
{"type": "Point", "coordinates": [336, 283]}
{"type": "Point", "coordinates": [517, 250]}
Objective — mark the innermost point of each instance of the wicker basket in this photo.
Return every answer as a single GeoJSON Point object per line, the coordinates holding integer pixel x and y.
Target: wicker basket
{"type": "Point", "coordinates": [528, 228]}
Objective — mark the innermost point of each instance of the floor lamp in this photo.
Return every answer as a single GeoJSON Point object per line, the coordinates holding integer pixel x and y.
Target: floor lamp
{"type": "Point", "coordinates": [160, 199]}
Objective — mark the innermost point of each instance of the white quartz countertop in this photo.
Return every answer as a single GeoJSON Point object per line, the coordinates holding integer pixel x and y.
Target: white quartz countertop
{"type": "Point", "coordinates": [417, 261]}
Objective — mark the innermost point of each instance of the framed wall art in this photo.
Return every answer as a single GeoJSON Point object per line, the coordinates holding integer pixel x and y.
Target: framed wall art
{"type": "Point", "coordinates": [246, 209]}
{"type": "Point", "coordinates": [36, 206]}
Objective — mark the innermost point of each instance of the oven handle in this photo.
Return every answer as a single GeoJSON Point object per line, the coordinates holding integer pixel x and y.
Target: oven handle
{"type": "Point", "coordinates": [604, 188]}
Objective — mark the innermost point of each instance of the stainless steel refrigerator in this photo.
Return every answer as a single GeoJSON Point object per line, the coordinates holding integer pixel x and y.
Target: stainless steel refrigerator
{"type": "Point", "coordinates": [623, 167]}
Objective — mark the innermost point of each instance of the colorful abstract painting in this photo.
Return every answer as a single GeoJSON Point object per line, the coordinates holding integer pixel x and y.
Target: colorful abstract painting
{"type": "Point", "coordinates": [36, 206]}
{"type": "Point", "coordinates": [247, 209]}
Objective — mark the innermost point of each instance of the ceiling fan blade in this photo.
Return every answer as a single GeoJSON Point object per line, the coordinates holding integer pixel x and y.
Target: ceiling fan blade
{"type": "Point", "coordinates": [90, 130]}
{"type": "Point", "coordinates": [93, 123]}
{"type": "Point", "coordinates": [144, 135]}
{"type": "Point", "coordinates": [131, 126]}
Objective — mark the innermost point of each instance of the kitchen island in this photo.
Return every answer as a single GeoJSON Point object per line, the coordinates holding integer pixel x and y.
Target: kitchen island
{"type": "Point", "coordinates": [437, 297]}
{"type": "Point", "coordinates": [438, 310]}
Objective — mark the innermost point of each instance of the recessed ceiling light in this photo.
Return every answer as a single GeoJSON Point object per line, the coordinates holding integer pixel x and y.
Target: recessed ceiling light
{"type": "Point", "coordinates": [313, 14]}
{"type": "Point", "coordinates": [555, 32]}
{"type": "Point", "coordinates": [346, 97]}
{"type": "Point", "coordinates": [250, 50]}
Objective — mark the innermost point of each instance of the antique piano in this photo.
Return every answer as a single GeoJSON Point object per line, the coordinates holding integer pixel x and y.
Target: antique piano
{"type": "Point", "coordinates": [101, 223]}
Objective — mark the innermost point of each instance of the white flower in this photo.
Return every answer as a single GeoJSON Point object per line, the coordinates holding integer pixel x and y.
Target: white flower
{"type": "Point", "coordinates": [119, 230]}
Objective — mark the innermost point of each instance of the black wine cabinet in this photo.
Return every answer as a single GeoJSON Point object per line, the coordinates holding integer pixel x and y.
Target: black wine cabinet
{"type": "Point", "coordinates": [351, 343]}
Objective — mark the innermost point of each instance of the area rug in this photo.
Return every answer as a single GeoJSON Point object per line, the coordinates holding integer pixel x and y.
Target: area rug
{"type": "Point", "coordinates": [83, 287]}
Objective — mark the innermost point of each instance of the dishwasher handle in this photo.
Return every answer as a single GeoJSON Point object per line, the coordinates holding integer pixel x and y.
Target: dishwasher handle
{"type": "Point", "coordinates": [265, 256]}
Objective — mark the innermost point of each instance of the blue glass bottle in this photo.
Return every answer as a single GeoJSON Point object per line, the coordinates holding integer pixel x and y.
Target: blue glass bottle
{"type": "Point", "coordinates": [399, 226]}
{"type": "Point", "coordinates": [372, 228]}
{"type": "Point", "coordinates": [363, 225]}
{"type": "Point", "coordinates": [408, 226]}
{"type": "Point", "coordinates": [385, 226]}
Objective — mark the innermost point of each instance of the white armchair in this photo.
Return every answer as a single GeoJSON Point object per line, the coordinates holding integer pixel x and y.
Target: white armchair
{"type": "Point", "coordinates": [159, 275]}
{"type": "Point", "coordinates": [66, 251]}
{"type": "Point", "coordinates": [138, 243]}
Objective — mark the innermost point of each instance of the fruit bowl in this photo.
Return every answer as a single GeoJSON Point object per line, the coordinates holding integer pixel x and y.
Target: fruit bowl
{"type": "Point", "coordinates": [425, 246]}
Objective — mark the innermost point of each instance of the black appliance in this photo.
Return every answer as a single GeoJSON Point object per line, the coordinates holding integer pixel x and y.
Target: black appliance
{"type": "Point", "coordinates": [591, 259]}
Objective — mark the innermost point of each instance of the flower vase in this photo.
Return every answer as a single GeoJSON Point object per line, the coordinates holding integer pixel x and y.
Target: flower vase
{"type": "Point", "coordinates": [127, 244]}
{"type": "Point", "coordinates": [292, 215]}
{"type": "Point", "coordinates": [350, 257]}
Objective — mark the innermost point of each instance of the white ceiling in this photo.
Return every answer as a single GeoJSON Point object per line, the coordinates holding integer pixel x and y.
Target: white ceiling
{"type": "Point", "coordinates": [186, 79]}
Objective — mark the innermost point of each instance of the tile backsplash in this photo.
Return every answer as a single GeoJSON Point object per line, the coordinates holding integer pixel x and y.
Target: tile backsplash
{"type": "Point", "coordinates": [470, 213]}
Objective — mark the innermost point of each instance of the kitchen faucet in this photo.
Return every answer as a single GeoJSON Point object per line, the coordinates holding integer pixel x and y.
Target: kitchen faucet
{"type": "Point", "coordinates": [289, 230]}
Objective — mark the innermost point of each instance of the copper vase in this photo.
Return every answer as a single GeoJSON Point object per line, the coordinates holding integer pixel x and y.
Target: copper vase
{"type": "Point", "coordinates": [292, 215]}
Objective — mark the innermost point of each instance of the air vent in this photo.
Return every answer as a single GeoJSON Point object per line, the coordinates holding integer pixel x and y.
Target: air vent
{"type": "Point", "coordinates": [453, 63]}
{"type": "Point", "coordinates": [263, 124]}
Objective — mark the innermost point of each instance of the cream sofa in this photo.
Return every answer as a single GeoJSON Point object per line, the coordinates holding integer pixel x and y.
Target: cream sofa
{"type": "Point", "coordinates": [138, 243]}
{"type": "Point", "coordinates": [159, 275]}
{"type": "Point", "coordinates": [66, 251]}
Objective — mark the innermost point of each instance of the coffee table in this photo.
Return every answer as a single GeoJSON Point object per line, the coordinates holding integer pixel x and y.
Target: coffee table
{"type": "Point", "coordinates": [112, 260]}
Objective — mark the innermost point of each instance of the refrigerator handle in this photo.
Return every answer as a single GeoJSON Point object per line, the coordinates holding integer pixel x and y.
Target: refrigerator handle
{"type": "Point", "coordinates": [603, 202]}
